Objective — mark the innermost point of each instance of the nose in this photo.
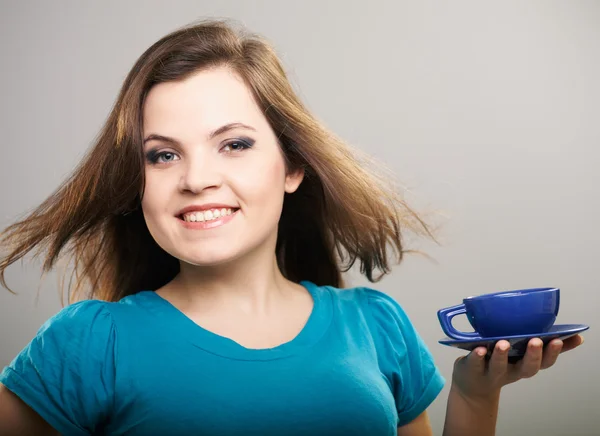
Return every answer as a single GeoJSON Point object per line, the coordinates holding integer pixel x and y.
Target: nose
{"type": "Point", "coordinates": [200, 173]}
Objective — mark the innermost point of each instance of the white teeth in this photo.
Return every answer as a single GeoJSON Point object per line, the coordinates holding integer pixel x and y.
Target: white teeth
{"type": "Point", "coordinates": [207, 215]}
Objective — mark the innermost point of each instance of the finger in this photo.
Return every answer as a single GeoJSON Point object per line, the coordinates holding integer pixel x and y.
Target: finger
{"type": "Point", "coordinates": [475, 360]}
{"type": "Point", "coordinates": [572, 342]}
{"type": "Point", "coordinates": [532, 362]}
{"type": "Point", "coordinates": [499, 360]}
{"type": "Point", "coordinates": [550, 353]}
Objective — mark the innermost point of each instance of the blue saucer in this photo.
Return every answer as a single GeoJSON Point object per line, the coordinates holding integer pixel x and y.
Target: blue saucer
{"type": "Point", "coordinates": [518, 343]}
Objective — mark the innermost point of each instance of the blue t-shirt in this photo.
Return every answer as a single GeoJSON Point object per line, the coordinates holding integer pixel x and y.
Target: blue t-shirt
{"type": "Point", "coordinates": [141, 367]}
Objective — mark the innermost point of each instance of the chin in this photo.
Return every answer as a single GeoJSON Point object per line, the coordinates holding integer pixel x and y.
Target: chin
{"type": "Point", "coordinates": [208, 257]}
{"type": "Point", "coordinates": [206, 261]}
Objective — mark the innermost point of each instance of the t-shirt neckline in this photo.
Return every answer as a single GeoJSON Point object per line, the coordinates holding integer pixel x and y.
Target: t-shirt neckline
{"type": "Point", "coordinates": [182, 326]}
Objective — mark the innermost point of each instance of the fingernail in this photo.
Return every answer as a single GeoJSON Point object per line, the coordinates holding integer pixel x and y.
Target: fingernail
{"type": "Point", "coordinates": [582, 339]}
{"type": "Point", "coordinates": [536, 343]}
{"type": "Point", "coordinates": [481, 353]}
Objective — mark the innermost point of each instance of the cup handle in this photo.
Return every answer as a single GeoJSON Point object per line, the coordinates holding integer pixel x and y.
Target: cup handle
{"type": "Point", "coordinates": [445, 316]}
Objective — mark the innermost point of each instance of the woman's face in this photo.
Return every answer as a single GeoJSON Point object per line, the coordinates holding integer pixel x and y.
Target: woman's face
{"type": "Point", "coordinates": [208, 147]}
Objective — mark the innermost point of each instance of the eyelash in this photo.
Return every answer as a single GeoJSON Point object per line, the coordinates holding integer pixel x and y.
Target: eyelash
{"type": "Point", "coordinates": [153, 155]}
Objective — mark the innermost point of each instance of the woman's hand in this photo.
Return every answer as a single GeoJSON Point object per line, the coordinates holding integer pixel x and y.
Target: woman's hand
{"type": "Point", "coordinates": [477, 378]}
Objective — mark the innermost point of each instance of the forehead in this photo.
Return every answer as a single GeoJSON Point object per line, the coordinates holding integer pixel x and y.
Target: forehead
{"type": "Point", "coordinates": [201, 102]}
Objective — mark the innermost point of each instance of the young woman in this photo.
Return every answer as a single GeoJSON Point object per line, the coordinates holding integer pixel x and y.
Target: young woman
{"type": "Point", "coordinates": [211, 223]}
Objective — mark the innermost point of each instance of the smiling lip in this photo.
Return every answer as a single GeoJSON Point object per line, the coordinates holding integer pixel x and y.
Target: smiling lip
{"type": "Point", "coordinates": [203, 207]}
{"type": "Point", "coordinates": [204, 225]}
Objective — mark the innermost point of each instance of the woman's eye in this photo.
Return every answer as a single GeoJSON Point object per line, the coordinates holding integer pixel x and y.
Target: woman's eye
{"type": "Point", "coordinates": [160, 157]}
{"type": "Point", "coordinates": [237, 145]}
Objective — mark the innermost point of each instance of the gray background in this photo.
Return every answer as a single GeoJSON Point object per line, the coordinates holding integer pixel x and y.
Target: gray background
{"type": "Point", "coordinates": [485, 111]}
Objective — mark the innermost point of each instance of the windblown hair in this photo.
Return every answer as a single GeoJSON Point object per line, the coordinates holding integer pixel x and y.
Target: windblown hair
{"type": "Point", "coordinates": [341, 213]}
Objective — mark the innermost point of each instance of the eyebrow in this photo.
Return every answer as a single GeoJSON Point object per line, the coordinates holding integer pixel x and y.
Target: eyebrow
{"type": "Point", "coordinates": [211, 135]}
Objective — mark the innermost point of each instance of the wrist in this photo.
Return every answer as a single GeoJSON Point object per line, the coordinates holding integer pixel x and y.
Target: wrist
{"type": "Point", "coordinates": [477, 400]}
{"type": "Point", "coordinates": [471, 414]}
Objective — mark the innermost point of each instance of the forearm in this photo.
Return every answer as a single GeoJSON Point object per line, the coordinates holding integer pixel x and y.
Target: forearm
{"type": "Point", "coordinates": [467, 417]}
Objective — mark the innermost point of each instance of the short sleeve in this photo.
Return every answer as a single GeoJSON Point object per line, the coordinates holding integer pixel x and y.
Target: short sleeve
{"type": "Point", "coordinates": [403, 357]}
{"type": "Point", "coordinates": [67, 372]}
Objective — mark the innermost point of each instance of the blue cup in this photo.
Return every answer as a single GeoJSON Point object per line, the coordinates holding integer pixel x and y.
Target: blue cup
{"type": "Point", "coordinates": [507, 313]}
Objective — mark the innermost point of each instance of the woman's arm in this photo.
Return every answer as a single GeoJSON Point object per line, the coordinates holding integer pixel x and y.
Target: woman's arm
{"type": "Point", "coordinates": [420, 426]}
{"type": "Point", "coordinates": [18, 419]}
{"type": "Point", "coordinates": [467, 417]}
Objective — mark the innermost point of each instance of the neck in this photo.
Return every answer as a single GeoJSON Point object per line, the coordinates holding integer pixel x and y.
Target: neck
{"type": "Point", "coordinates": [253, 284]}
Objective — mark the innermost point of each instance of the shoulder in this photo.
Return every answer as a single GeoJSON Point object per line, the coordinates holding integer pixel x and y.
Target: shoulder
{"type": "Point", "coordinates": [378, 301]}
{"type": "Point", "coordinates": [386, 311]}
{"type": "Point", "coordinates": [378, 312]}
{"type": "Point", "coordinates": [83, 315]}
{"type": "Point", "coordinates": [86, 328]}
{"type": "Point", "coordinates": [96, 316]}
{"type": "Point", "coordinates": [377, 306]}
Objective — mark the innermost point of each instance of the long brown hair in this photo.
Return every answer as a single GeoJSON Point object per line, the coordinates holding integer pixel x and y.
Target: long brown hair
{"type": "Point", "coordinates": [342, 212]}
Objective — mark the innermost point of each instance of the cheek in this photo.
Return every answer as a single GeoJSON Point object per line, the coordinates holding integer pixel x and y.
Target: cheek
{"type": "Point", "coordinates": [154, 204]}
{"type": "Point", "coordinates": [155, 196]}
{"type": "Point", "coordinates": [263, 184]}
